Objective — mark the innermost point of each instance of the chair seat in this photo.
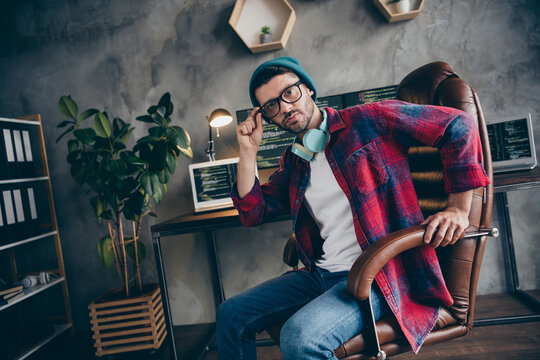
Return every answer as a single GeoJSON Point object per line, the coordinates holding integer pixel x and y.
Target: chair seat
{"type": "Point", "coordinates": [390, 337]}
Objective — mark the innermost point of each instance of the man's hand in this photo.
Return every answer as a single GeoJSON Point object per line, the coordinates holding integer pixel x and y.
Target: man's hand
{"type": "Point", "coordinates": [445, 227]}
{"type": "Point", "coordinates": [249, 133]}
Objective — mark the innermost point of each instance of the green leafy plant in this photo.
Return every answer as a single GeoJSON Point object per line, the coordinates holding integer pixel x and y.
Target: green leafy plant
{"type": "Point", "coordinates": [123, 181]}
{"type": "Point", "coordinates": [266, 30]}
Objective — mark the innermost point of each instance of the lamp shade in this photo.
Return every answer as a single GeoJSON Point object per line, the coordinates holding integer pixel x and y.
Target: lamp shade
{"type": "Point", "coordinates": [219, 118]}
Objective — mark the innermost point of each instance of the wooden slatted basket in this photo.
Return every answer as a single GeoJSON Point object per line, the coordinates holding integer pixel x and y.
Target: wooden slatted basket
{"type": "Point", "coordinates": [128, 324]}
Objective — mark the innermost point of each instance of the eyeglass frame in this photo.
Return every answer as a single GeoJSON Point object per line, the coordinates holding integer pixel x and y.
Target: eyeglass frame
{"type": "Point", "coordinates": [279, 99]}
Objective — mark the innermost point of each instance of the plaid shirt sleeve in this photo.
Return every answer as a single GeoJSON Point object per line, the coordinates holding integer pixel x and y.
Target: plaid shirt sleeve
{"type": "Point", "coordinates": [452, 131]}
{"type": "Point", "coordinates": [264, 201]}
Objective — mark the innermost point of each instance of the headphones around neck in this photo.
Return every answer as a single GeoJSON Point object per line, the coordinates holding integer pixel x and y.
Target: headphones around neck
{"type": "Point", "coordinates": [314, 140]}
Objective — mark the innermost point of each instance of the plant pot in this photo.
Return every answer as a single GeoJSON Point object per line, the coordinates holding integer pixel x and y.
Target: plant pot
{"type": "Point", "coordinates": [265, 38]}
{"type": "Point", "coordinates": [402, 6]}
{"type": "Point", "coordinates": [122, 324]}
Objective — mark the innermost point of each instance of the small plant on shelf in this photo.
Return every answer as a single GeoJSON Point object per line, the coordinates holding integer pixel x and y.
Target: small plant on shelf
{"type": "Point", "coordinates": [400, 6]}
{"type": "Point", "coordinates": [123, 181]}
{"type": "Point", "coordinates": [266, 34]}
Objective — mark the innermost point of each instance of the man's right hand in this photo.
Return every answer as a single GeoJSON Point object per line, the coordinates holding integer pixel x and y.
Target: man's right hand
{"type": "Point", "coordinates": [249, 133]}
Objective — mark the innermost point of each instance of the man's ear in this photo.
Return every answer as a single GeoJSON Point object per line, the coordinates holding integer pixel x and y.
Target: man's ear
{"type": "Point", "coordinates": [310, 91]}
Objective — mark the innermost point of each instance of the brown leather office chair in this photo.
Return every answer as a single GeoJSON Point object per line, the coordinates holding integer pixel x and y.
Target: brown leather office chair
{"type": "Point", "coordinates": [436, 84]}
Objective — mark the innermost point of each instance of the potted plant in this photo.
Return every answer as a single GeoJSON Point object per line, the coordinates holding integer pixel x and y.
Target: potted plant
{"type": "Point", "coordinates": [123, 183]}
{"type": "Point", "coordinates": [266, 34]}
{"type": "Point", "coordinates": [400, 6]}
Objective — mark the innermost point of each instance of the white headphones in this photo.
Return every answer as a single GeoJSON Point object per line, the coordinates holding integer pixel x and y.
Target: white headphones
{"type": "Point", "coordinates": [314, 140]}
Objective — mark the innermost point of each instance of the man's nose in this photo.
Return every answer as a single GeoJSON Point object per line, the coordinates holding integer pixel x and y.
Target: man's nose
{"type": "Point", "coordinates": [285, 107]}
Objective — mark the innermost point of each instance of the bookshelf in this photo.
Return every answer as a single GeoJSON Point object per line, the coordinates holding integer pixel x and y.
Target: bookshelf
{"type": "Point", "coordinates": [29, 242]}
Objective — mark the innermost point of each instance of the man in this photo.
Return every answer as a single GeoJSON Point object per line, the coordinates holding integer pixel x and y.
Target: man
{"type": "Point", "coordinates": [346, 182]}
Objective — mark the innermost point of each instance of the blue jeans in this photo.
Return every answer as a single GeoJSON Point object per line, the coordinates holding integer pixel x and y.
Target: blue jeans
{"type": "Point", "coordinates": [321, 315]}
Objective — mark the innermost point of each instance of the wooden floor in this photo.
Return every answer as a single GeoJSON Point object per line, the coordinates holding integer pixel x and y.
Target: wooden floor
{"type": "Point", "coordinates": [498, 342]}
{"type": "Point", "coordinates": [495, 342]}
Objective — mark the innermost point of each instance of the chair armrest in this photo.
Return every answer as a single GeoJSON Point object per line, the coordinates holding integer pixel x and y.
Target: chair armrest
{"type": "Point", "coordinates": [290, 256]}
{"type": "Point", "coordinates": [372, 260]}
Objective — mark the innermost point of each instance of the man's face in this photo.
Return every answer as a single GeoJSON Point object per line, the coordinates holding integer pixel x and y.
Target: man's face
{"type": "Point", "coordinates": [294, 117]}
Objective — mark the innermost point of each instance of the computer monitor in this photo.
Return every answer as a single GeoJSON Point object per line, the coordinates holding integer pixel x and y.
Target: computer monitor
{"type": "Point", "coordinates": [512, 143]}
{"type": "Point", "coordinates": [211, 184]}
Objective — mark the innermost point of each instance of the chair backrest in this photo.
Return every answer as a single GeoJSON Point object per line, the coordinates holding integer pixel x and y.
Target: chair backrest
{"type": "Point", "coordinates": [437, 84]}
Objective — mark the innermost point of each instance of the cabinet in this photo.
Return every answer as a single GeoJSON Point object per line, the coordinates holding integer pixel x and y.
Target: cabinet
{"type": "Point", "coordinates": [29, 242]}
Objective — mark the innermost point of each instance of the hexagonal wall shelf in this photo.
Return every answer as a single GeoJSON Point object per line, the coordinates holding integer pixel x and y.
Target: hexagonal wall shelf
{"type": "Point", "coordinates": [390, 13]}
{"type": "Point", "coordinates": [249, 16]}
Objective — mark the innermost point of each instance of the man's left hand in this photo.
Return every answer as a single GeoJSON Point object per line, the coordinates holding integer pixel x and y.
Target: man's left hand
{"type": "Point", "coordinates": [445, 227]}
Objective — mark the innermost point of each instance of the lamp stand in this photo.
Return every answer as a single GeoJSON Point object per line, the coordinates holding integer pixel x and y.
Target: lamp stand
{"type": "Point", "coordinates": [210, 148]}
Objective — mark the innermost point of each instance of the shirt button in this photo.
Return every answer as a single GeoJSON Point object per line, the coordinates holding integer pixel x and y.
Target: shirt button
{"type": "Point", "coordinates": [297, 201]}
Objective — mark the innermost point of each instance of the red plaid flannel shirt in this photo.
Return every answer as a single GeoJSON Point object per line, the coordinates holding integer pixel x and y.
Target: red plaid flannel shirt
{"type": "Point", "coordinates": [367, 153]}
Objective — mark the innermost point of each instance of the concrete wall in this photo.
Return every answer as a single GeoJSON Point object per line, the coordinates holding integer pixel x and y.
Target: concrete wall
{"type": "Point", "coordinates": [121, 56]}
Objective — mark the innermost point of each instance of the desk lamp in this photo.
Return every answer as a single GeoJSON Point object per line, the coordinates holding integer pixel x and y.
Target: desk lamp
{"type": "Point", "coordinates": [217, 119]}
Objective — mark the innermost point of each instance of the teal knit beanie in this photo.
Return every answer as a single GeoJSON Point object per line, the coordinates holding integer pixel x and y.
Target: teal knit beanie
{"type": "Point", "coordinates": [289, 63]}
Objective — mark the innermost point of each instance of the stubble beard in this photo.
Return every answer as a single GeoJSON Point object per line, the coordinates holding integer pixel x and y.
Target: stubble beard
{"type": "Point", "coordinates": [306, 114]}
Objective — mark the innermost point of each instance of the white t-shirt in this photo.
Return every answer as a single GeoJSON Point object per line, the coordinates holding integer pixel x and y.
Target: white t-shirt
{"type": "Point", "coordinates": [331, 210]}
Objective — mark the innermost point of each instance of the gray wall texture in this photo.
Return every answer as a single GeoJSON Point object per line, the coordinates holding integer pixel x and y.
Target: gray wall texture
{"type": "Point", "coordinates": [122, 55]}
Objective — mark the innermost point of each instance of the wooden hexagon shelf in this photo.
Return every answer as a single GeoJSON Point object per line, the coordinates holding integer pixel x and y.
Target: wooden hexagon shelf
{"type": "Point", "coordinates": [390, 13]}
{"type": "Point", "coordinates": [249, 16]}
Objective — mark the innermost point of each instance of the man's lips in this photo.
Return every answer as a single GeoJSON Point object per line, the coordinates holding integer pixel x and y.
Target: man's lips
{"type": "Point", "coordinates": [291, 118]}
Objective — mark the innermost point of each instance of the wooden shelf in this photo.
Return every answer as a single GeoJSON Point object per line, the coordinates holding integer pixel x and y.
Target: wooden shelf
{"type": "Point", "coordinates": [33, 291]}
{"type": "Point", "coordinates": [389, 10]}
{"type": "Point", "coordinates": [248, 17]}
{"type": "Point", "coordinates": [29, 344]}
{"type": "Point", "coordinates": [20, 121]}
{"type": "Point", "coordinates": [24, 241]}
{"type": "Point", "coordinates": [15, 181]}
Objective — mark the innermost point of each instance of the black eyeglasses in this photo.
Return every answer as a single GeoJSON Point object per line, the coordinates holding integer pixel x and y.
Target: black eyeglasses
{"type": "Point", "coordinates": [290, 95]}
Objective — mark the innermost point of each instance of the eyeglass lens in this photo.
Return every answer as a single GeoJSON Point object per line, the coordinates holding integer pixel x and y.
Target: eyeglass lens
{"type": "Point", "coordinates": [290, 95]}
